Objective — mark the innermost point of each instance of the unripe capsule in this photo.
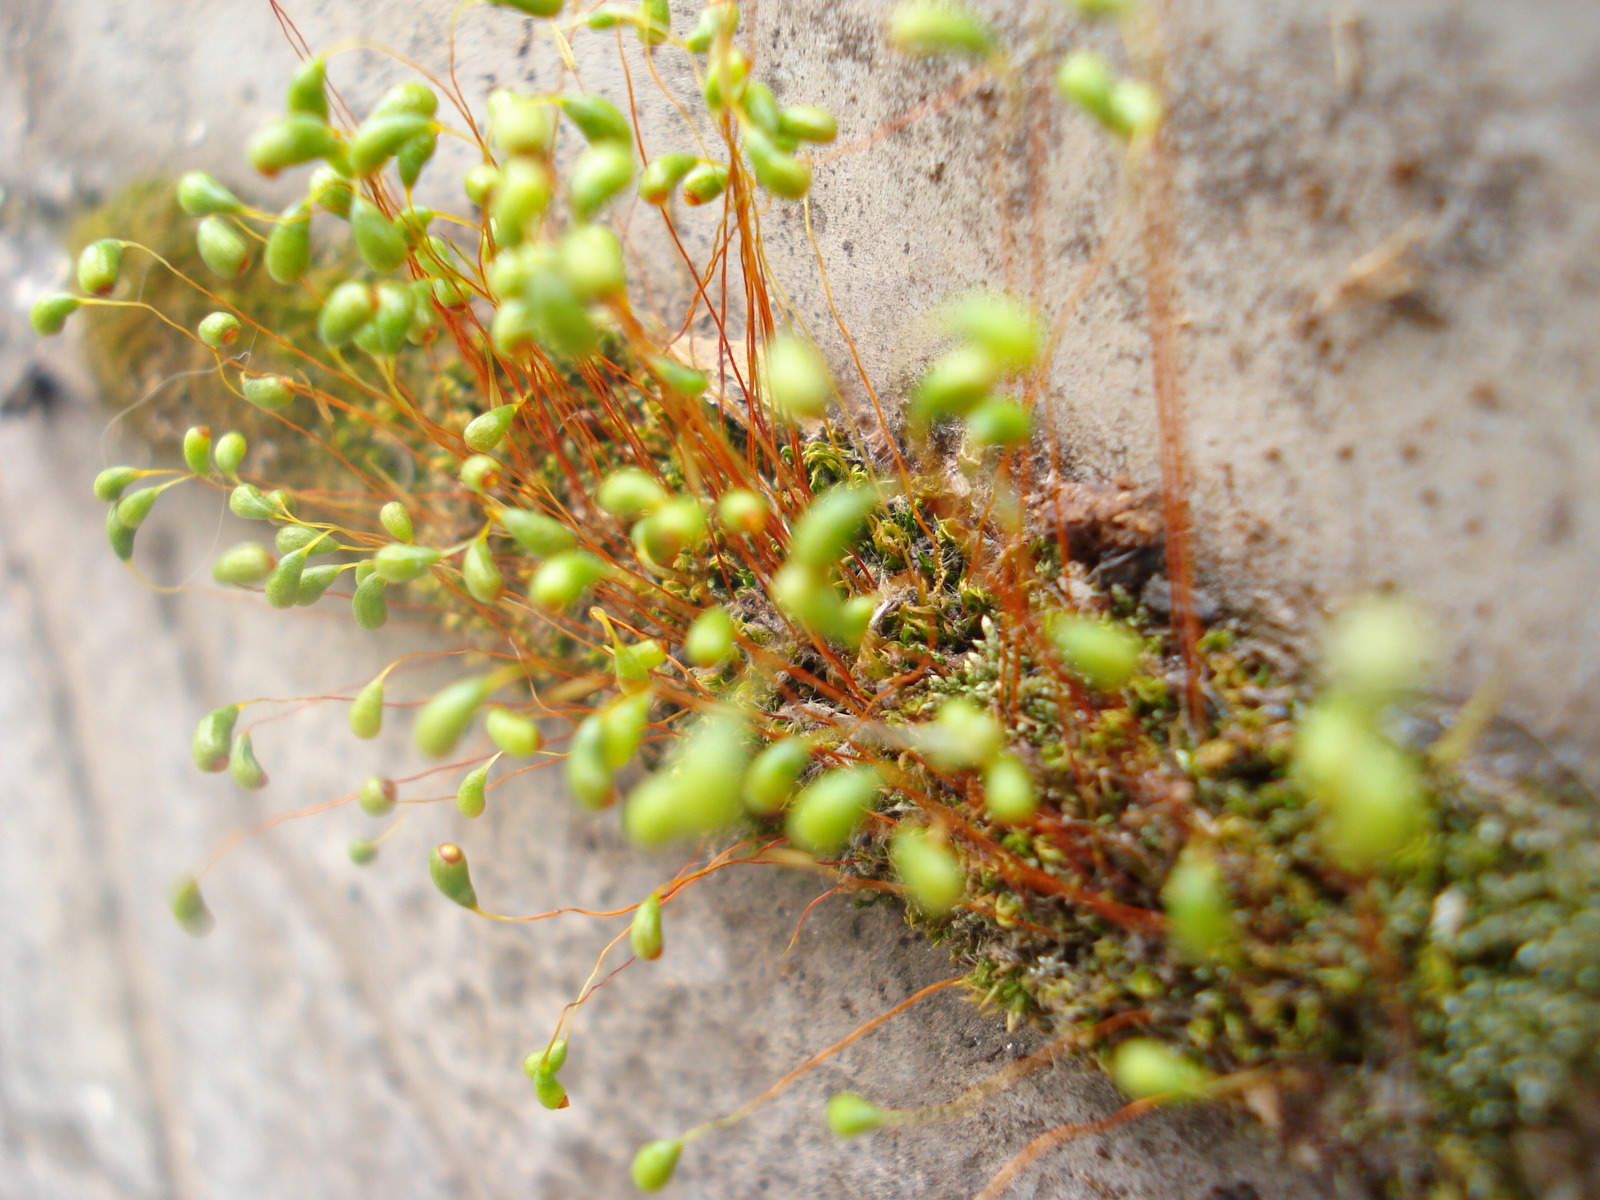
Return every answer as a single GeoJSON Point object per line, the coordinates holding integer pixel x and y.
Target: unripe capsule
{"type": "Point", "coordinates": [954, 384]}
{"type": "Point", "coordinates": [470, 799]}
{"type": "Point", "coordinates": [727, 74]}
{"type": "Point", "coordinates": [761, 107]}
{"type": "Point", "coordinates": [591, 259]}
{"type": "Point", "coordinates": [999, 422]}
{"type": "Point", "coordinates": [479, 473]}
{"type": "Point", "coordinates": [377, 796]}
{"type": "Point", "coordinates": [826, 812]}
{"type": "Point", "coordinates": [1086, 79]}
{"type": "Point", "coordinates": [307, 93]}
{"type": "Point", "coordinates": [629, 493]}
{"type": "Point", "coordinates": [1104, 654]}
{"type": "Point", "coordinates": [1005, 329]}
{"type": "Point", "coordinates": [823, 535]}
{"type": "Point", "coordinates": [1143, 1068]}
{"type": "Point", "coordinates": [521, 124]}
{"type": "Point", "coordinates": [928, 27]}
{"type": "Point", "coordinates": [715, 18]}
{"type": "Point", "coordinates": [515, 735]}
{"type": "Point", "coordinates": [808, 122]}
{"type": "Point", "coordinates": [962, 735]}
{"type": "Point", "coordinates": [1008, 791]}
{"type": "Point", "coordinates": [113, 481]}
{"type": "Point", "coordinates": [521, 196]}
{"type": "Point", "coordinates": [290, 538]}
{"type": "Point", "coordinates": [348, 307]}
{"type": "Point", "coordinates": [539, 535]}
{"type": "Point", "coordinates": [781, 174]}
{"type": "Point", "coordinates": [709, 642]}
{"type": "Point", "coordinates": [200, 195]}
{"type": "Point", "coordinates": [246, 770]}
{"type": "Point", "coordinates": [331, 191]}
{"type": "Point", "coordinates": [621, 725]}
{"type": "Point", "coordinates": [1377, 649]}
{"type": "Point", "coordinates": [271, 392]}
{"type": "Point", "coordinates": [654, 1163]}
{"type": "Point", "coordinates": [219, 329]}
{"type": "Point", "coordinates": [664, 173]}
{"type": "Point", "coordinates": [197, 449]}
{"type": "Point", "coordinates": [1199, 918]}
{"type": "Point", "coordinates": [587, 773]}
{"type": "Point", "coordinates": [229, 453]}
{"type": "Point", "coordinates": [362, 851]}
{"type": "Point", "coordinates": [369, 606]}
{"type": "Point", "coordinates": [245, 565]}
{"type": "Point", "coordinates": [533, 8]}
{"type": "Point", "coordinates": [189, 907]}
{"type": "Point", "coordinates": [414, 155]}
{"type": "Point", "coordinates": [99, 264]}
{"type": "Point", "coordinates": [213, 738]}
{"type": "Point", "coordinates": [484, 582]}
{"type": "Point", "coordinates": [247, 502]}
{"type": "Point", "coordinates": [290, 142]}
{"type": "Point", "coordinates": [393, 318]}
{"type": "Point", "coordinates": [133, 508]}
{"type": "Point", "coordinates": [222, 247]}
{"type": "Point", "coordinates": [931, 873]}
{"type": "Point", "coordinates": [850, 1115]}
{"type": "Point", "coordinates": [395, 518]}
{"type": "Point", "coordinates": [119, 535]}
{"type": "Point", "coordinates": [445, 718]}
{"type": "Point", "coordinates": [743, 511]}
{"type": "Point", "coordinates": [314, 581]}
{"type": "Point", "coordinates": [775, 773]}
{"type": "Point", "coordinates": [381, 136]}
{"type": "Point", "coordinates": [400, 562]}
{"type": "Point", "coordinates": [644, 933]}
{"type": "Point", "coordinates": [561, 579]}
{"type": "Point", "coordinates": [797, 381]}
{"type": "Point", "coordinates": [49, 314]}
{"type": "Point", "coordinates": [487, 430]}
{"type": "Point", "coordinates": [283, 585]}
{"type": "Point", "coordinates": [705, 183]}
{"type": "Point", "coordinates": [678, 525]}
{"type": "Point", "coordinates": [377, 238]}
{"type": "Point", "coordinates": [288, 252]}
{"type": "Point", "coordinates": [598, 119]}
{"type": "Point", "coordinates": [549, 1090]}
{"type": "Point", "coordinates": [598, 176]}
{"type": "Point", "coordinates": [448, 867]}
{"type": "Point", "coordinates": [366, 710]}
{"type": "Point", "coordinates": [655, 24]}
{"type": "Point", "coordinates": [480, 182]}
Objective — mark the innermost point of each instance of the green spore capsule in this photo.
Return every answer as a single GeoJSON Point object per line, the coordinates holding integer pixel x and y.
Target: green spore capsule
{"type": "Point", "coordinates": [727, 74]}
{"type": "Point", "coordinates": [678, 525]}
{"type": "Point", "coordinates": [480, 182]}
{"type": "Point", "coordinates": [931, 873]}
{"type": "Point", "coordinates": [49, 314]}
{"type": "Point", "coordinates": [1137, 108]}
{"type": "Point", "coordinates": [546, 1062]}
{"type": "Point", "coordinates": [1103, 654]}
{"type": "Point", "coordinates": [775, 773]}
{"type": "Point", "coordinates": [598, 119]}
{"type": "Point", "coordinates": [1005, 329]}
{"type": "Point", "coordinates": [824, 534]}
{"type": "Point", "coordinates": [540, 535]}
{"type": "Point", "coordinates": [563, 578]}
{"type": "Point", "coordinates": [798, 384]}
{"type": "Point", "coordinates": [219, 329]}
{"type": "Point", "coordinates": [213, 738]}
{"type": "Point", "coordinates": [1199, 918]}
{"type": "Point", "coordinates": [999, 422]}
{"type": "Point", "coordinates": [314, 581]}
{"type": "Point", "coordinates": [444, 719]}
{"type": "Point", "coordinates": [133, 508]}
{"type": "Point", "coordinates": [189, 907]}
{"type": "Point", "coordinates": [1009, 794]}
{"type": "Point", "coordinates": [605, 17]}
{"type": "Point", "coordinates": [515, 735]}
{"type": "Point", "coordinates": [413, 156]}
{"type": "Point", "coordinates": [200, 195]}
{"type": "Point", "coordinates": [1377, 649]}
{"type": "Point", "coordinates": [1085, 78]}
{"type": "Point", "coordinates": [533, 8]}
{"type": "Point", "coordinates": [597, 177]}
{"type": "Point", "coordinates": [655, 22]}
{"type": "Point", "coordinates": [633, 663]}
{"type": "Point", "coordinates": [808, 123]}
{"type": "Point", "coordinates": [119, 535]}
{"type": "Point", "coordinates": [587, 773]}
{"type": "Point", "coordinates": [1368, 791]}
{"type": "Point", "coordinates": [662, 175]}
{"type": "Point", "coordinates": [715, 19]}
{"type": "Point", "coordinates": [378, 240]}
{"type": "Point", "coordinates": [366, 710]}
{"type": "Point", "coordinates": [521, 196]}
{"type": "Point", "coordinates": [400, 562]}
{"type": "Point", "coordinates": [630, 493]}
{"type": "Point", "coordinates": [369, 605]}
{"type": "Point", "coordinates": [1143, 1068]}
{"type": "Point", "coordinates": [550, 1091]}
{"type": "Point", "coordinates": [362, 851]}
{"type": "Point", "coordinates": [654, 1164]}
{"type": "Point", "coordinates": [709, 642]}
{"type": "Point", "coordinates": [705, 183]}
{"type": "Point", "coordinates": [197, 449]}
{"type": "Point", "coordinates": [928, 27]}
{"type": "Point", "coordinates": [288, 253]}
{"type": "Point", "coordinates": [113, 481]}
{"type": "Point", "coordinates": [393, 317]}
{"type": "Point", "coordinates": [222, 247]}
{"type": "Point", "coordinates": [290, 538]}
{"type": "Point", "coordinates": [479, 473]}
{"type": "Point", "coordinates": [246, 565]}
{"type": "Point", "coordinates": [470, 799]}
{"type": "Point", "coordinates": [99, 265]}
{"type": "Point", "coordinates": [850, 1115]}
{"type": "Point", "coordinates": [283, 585]}
{"type": "Point", "coordinates": [448, 867]}
{"type": "Point", "coordinates": [953, 384]}
{"type": "Point", "coordinates": [962, 735]}
{"type": "Point", "coordinates": [644, 933]}
{"type": "Point", "coordinates": [247, 501]}
{"type": "Point", "coordinates": [380, 138]}
{"type": "Point", "coordinates": [482, 576]}
{"type": "Point", "coordinates": [331, 191]}
{"type": "Point", "coordinates": [229, 453]}
{"type": "Point", "coordinates": [377, 796]}
{"type": "Point", "coordinates": [487, 430]}
{"type": "Point", "coordinates": [826, 812]}
{"type": "Point", "coordinates": [761, 108]}
{"type": "Point", "coordinates": [395, 518]}
{"type": "Point", "coordinates": [743, 511]}
{"type": "Point", "coordinates": [805, 596]}
{"type": "Point", "coordinates": [348, 307]}
{"type": "Point", "coordinates": [307, 93]}
{"type": "Point", "coordinates": [412, 97]}
{"type": "Point", "coordinates": [270, 392]}
{"type": "Point", "coordinates": [677, 378]}
{"type": "Point", "coordinates": [784, 175]}
{"type": "Point", "coordinates": [521, 124]}
{"type": "Point", "coordinates": [621, 724]}
{"type": "Point", "coordinates": [243, 765]}
{"type": "Point", "coordinates": [291, 142]}
{"type": "Point", "coordinates": [591, 259]}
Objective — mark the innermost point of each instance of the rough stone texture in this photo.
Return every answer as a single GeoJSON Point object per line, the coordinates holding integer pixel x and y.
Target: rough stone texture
{"type": "Point", "coordinates": [345, 1033]}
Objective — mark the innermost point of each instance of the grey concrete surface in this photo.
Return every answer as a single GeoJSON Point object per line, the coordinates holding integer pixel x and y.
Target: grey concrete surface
{"type": "Point", "coordinates": [346, 1034]}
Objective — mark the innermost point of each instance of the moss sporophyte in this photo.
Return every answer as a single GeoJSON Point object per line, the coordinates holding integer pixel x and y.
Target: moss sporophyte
{"type": "Point", "coordinates": [911, 649]}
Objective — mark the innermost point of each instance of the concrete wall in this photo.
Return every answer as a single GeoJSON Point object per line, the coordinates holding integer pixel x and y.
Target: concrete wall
{"type": "Point", "coordinates": [340, 1032]}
